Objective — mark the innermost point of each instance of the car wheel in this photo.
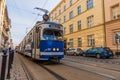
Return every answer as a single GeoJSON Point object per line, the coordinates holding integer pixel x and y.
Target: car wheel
{"type": "Point", "coordinates": [84, 55]}
{"type": "Point", "coordinates": [73, 54]}
{"type": "Point", "coordinates": [98, 56]}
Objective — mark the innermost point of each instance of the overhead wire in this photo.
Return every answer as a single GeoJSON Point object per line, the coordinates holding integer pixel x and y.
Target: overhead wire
{"type": "Point", "coordinates": [19, 23]}
{"type": "Point", "coordinates": [27, 12]}
{"type": "Point", "coordinates": [44, 4]}
{"type": "Point", "coordinates": [17, 7]}
{"type": "Point", "coordinates": [24, 10]}
{"type": "Point", "coordinates": [39, 14]}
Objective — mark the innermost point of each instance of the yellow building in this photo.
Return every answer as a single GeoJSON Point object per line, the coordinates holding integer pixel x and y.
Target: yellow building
{"type": "Point", "coordinates": [83, 22]}
{"type": "Point", "coordinates": [2, 10]}
{"type": "Point", "coordinates": [5, 23]}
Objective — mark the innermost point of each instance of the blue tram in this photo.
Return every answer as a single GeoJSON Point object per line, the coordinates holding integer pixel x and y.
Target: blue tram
{"type": "Point", "coordinates": [44, 41]}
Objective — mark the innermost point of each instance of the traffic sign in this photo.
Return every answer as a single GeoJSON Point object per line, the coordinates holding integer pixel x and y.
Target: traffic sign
{"type": "Point", "coordinates": [116, 36]}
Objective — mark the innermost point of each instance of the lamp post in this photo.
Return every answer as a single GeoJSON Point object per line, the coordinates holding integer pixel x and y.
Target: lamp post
{"type": "Point", "coordinates": [104, 24]}
{"type": "Point", "coordinates": [117, 39]}
{"type": "Point", "coordinates": [4, 59]}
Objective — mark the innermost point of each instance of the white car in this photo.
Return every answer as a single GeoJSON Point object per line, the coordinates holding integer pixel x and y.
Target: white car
{"type": "Point", "coordinates": [74, 51]}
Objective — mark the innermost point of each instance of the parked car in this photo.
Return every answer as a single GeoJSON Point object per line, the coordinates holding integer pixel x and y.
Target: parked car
{"type": "Point", "coordinates": [99, 52]}
{"type": "Point", "coordinates": [74, 51]}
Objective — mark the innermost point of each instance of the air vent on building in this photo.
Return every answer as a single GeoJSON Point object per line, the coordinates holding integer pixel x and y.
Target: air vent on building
{"type": "Point", "coordinates": [114, 17]}
{"type": "Point", "coordinates": [118, 16]}
{"type": "Point", "coordinates": [7, 29]}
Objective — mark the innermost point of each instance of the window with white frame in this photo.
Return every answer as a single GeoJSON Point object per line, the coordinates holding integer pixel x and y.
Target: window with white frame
{"type": "Point", "coordinates": [71, 28]}
{"type": "Point", "coordinates": [115, 12]}
{"type": "Point", "coordinates": [79, 10]}
{"type": "Point", "coordinates": [55, 15]}
{"type": "Point", "coordinates": [89, 4]}
{"type": "Point", "coordinates": [79, 25]}
{"type": "Point", "coordinates": [71, 42]}
{"type": "Point", "coordinates": [79, 42]}
{"type": "Point", "coordinates": [90, 21]}
{"type": "Point", "coordinates": [64, 18]}
{"type": "Point", "coordinates": [64, 7]}
{"type": "Point", "coordinates": [59, 20]}
{"type": "Point", "coordinates": [91, 40]}
{"type": "Point", "coordinates": [70, 2]}
{"type": "Point", "coordinates": [59, 12]}
{"type": "Point", "coordinates": [71, 15]}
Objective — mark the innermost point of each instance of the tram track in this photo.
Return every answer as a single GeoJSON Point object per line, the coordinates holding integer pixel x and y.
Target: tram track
{"type": "Point", "coordinates": [96, 73]}
{"type": "Point", "coordinates": [29, 76]}
{"type": "Point", "coordinates": [57, 76]}
{"type": "Point", "coordinates": [81, 70]}
{"type": "Point", "coordinates": [93, 65]}
{"type": "Point", "coordinates": [64, 72]}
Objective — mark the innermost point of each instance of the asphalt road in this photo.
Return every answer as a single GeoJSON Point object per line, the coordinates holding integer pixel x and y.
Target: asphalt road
{"type": "Point", "coordinates": [107, 69]}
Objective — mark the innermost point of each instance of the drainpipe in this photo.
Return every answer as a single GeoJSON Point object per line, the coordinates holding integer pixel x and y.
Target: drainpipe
{"type": "Point", "coordinates": [104, 25]}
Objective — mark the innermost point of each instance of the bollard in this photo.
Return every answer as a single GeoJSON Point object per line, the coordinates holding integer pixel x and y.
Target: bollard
{"type": "Point", "coordinates": [12, 56]}
{"type": "Point", "coordinates": [3, 68]}
{"type": "Point", "coordinates": [9, 64]}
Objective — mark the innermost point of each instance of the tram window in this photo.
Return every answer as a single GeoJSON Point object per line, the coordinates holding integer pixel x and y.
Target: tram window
{"type": "Point", "coordinates": [52, 35]}
{"type": "Point", "coordinates": [58, 35]}
{"type": "Point", "coordinates": [48, 32]}
{"type": "Point", "coordinates": [48, 35]}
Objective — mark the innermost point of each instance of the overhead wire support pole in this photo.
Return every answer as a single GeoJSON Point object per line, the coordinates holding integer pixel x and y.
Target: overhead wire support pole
{"type": "Point", "coordinates": [45, 16]}
{"type": "Point", "coordinates": [41, 9]}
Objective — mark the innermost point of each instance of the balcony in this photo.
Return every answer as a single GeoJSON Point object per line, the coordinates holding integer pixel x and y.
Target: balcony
{"type": "Point", "coordinates": [5, 32]}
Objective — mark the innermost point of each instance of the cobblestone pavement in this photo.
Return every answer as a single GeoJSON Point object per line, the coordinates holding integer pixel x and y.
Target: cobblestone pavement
{"type": "Point", "coordinates": [1, 53]}
{"type": "Point", "coordinates": [17, 72]}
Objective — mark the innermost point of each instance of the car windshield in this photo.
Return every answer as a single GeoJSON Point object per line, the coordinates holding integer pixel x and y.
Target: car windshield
{"type": "Point", "coordinates": [103, 48]}
{"type": "Point", "coordinates": [106, 48]}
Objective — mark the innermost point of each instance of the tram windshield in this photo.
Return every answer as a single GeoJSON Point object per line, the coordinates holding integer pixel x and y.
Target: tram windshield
{"type": "Point", "coordinates": [52, 34]}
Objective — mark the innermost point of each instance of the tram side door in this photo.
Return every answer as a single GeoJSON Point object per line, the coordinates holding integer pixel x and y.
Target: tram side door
{"type": "Point", "coordinates": [36, 42]}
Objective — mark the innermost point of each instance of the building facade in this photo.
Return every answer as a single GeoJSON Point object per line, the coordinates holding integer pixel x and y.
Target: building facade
{"type": "Point", "coordinates": [5, 24]}
{"type": "Point", "coordinates": [83, 22]}
{"type": "Point", "coordinates": [2, 10]}
{"type": "Point", "coordinates": [112, 18]}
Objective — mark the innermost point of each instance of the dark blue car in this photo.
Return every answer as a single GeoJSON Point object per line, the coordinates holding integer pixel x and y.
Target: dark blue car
{"type": "Point", "coordinates": [99, 52]}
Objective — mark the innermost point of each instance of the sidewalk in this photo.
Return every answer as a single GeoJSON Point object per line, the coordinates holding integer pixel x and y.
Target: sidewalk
{"type": "Point", "coordinates": [1, 53]}
{"type": "Point", "coordinates": [17, 72]}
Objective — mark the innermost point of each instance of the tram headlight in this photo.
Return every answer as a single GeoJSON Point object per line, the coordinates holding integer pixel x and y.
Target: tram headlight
{"type": "Point", "coordinates": [57, 49]}
{"type": "Point", "coordinates": [53, 49]}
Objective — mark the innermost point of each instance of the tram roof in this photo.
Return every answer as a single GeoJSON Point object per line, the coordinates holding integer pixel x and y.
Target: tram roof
{"type": "Point", "coordinates": [47, 22]}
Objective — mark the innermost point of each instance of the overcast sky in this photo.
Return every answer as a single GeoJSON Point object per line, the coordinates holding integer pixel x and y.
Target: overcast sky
{"type": "Point", "coordinates": [23, 15]}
